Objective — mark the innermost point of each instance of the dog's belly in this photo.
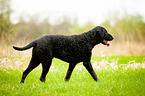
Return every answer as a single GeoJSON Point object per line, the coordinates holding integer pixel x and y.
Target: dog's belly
{"type": "Point", "coordinates": [69, 58]}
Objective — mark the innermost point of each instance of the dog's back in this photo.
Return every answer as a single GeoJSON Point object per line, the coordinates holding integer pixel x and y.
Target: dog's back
{"type": "Point", "coordinates": [67, 48]}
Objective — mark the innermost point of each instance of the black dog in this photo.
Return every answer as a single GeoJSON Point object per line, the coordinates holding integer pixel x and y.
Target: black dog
{"type": "Point", "coordinates": [72, 49]}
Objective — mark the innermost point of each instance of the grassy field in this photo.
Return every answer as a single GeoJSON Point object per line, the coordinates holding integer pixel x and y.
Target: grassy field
{"type": "Point", "coordinates": [118, 75]}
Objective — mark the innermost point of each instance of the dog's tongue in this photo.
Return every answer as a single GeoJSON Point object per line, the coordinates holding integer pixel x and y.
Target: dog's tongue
{"type": "Point", "coordinates": [107, 43]}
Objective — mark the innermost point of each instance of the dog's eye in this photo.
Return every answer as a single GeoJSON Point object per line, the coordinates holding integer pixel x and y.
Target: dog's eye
{"type": "Point", "coordinates": [105, 34]}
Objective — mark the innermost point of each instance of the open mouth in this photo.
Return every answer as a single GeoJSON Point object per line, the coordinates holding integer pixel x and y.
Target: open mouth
{"type": "Point", "coordinates": [106, 43]}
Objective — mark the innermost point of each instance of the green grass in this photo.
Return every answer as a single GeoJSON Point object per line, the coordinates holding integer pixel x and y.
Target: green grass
{"type": "Point", "coordinates": [121, 59]}
{"type": "Point", "coordinates": [126, 81]}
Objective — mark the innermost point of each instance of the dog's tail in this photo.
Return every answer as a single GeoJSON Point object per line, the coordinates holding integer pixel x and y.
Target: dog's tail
{"type": "Point", "coordinates": [32, 44]}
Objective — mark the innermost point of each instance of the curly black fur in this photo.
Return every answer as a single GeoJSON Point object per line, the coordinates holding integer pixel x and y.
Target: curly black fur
{"type": "Point", "coordinates": [72, 49]}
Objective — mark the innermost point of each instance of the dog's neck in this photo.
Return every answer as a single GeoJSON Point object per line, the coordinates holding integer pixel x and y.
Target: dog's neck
{"type": "Point", "coordinates": [92, 38]}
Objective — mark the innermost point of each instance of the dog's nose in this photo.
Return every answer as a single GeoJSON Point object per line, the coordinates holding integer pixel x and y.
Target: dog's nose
{"type": "Point", "coordinates": [112, 38]}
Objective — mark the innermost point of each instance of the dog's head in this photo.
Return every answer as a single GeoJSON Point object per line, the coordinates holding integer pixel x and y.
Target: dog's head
{"type": "Point", "coordinates": [105, 37]}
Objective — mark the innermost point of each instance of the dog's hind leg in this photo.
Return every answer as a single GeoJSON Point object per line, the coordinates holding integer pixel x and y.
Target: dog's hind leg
{"type": "Point", "coordinates": [46, 63]}
{"type": "Point", "coordinates": [69, 71]}
{"type": "Point", "coordinates": [33, 64]}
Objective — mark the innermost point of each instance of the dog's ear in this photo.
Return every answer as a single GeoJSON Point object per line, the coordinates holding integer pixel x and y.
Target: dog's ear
{"type": "Point", "coordinates": [101, 32]}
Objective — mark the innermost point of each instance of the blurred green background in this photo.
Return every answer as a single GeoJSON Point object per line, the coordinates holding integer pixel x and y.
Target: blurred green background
{"type": "Point", "coordinates": [129, 31]}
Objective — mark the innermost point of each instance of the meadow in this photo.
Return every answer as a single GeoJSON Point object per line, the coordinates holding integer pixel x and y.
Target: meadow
{"type": "Point", "coordinates": [118, 75]}
{"type": "Point", "coordinates": [120, 68]}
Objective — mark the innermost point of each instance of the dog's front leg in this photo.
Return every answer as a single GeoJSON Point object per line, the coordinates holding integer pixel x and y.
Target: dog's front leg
{"type": "Point", "coordinates": [69, 71]}
{"type": "Point", "coordinates": [89, 67]}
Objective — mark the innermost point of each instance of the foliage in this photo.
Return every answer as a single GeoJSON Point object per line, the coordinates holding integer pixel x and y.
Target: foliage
{"type": "Point", "coordinates": [129, 31]}
{"type": "Point", "coordinates": [6, 27]}
{"type": "Point", "coordinates": [128, 28]}
{"type": "Point", "coordinates": [28, 31]}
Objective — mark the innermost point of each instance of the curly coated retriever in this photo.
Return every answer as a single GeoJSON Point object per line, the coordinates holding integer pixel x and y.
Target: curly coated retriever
{"type": "Point", "coordinates": [72, 49]}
